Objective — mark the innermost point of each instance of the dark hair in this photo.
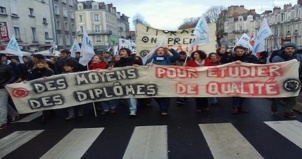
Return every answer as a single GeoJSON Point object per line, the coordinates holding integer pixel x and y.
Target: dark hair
{"type": "Point", "coordinates": [239, 47]}
{"type": "Point", "coordinates": [182, 53]}
{"type": "Point", "coordinates": [77, 52]}
{"type": "Point", "coordinates": [127, 50]}
{"type": "Point", "coordinates": [202, 54]}
{"type": "Point", "coordinates": [218, 50]}
{"type": "Point", "coordinates": [66, 51]}
{"type": "Point", "coordinates": [38, 56]}
{"type": "Point", "coordinates": [212, 53]}
{"type": "Point", "coordinates": [70, 63]}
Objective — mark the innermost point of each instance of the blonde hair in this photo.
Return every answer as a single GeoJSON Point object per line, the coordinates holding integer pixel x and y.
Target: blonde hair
{"type": "Point", "coordinates": [44, 62]}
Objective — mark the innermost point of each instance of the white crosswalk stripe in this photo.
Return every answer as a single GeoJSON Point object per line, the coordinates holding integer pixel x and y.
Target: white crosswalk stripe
{"type": "Point", "coordinates": [223, 139]}
{"type": "Point", "coordinates": [226, 142]}
{"type": "Point", "coordinates": [15, 140]}
{"type": "Point", "coordinates": [30, 117]}
{"type": "Point", "coordinates": [74, 145]}
{"type": "Point", "coordinates": [292, 130]}
{"type": "Point", "coordinates": [148, 142]}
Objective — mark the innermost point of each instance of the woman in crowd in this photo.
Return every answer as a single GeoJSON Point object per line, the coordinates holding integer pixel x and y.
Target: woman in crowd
{"type": "Point", "coordinates": [213, 60]}
{"type": "Point", "coordinates": [162, 57]}
{"type": "Point", "coordinates": [98, 63]}
{"type": "Point", "coordinates": [69, 67]}
{"type": "Point", "coordinates": [127, 60]}
{"type": "Point", "coordinates": [41, 70]}
{"type": "Point", "coordinates": [225, 57]}
{"type": "Point", "coordinates": [198, 59]}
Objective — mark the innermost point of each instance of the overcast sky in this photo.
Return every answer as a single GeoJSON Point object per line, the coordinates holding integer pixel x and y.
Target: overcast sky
{"type": "Point", "coordinates": [169, 14]}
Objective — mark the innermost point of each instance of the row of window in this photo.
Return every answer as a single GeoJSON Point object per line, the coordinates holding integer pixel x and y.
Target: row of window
{"type": "Point", "coordinates": [66, 25]}
{"type": "Point", "coordinates": [284, 16]}
{"type": "Point", "coordinates": [67, 39]}
{"type": "Point", "coordinates": [33, 33]}
{"type": "Point", "coordinates": [65, 12]}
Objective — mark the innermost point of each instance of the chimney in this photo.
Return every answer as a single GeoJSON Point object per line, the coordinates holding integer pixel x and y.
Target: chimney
{"type": "Point", "coordinates": [252, 11]}
{"type": "Point", "coordinates": [287, 6]}
{"type": "Point", "coordinates": [267, 12]}
{"type": "Point", "coordinates": [276, 9]}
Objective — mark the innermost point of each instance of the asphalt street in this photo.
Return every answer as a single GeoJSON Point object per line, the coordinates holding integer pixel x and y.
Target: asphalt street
{"type": "Point", "coordinates": [183, 134]}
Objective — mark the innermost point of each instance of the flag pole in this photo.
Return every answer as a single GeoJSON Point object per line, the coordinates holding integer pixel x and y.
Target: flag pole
{"type": "Point", "coordinates": [93, 104]}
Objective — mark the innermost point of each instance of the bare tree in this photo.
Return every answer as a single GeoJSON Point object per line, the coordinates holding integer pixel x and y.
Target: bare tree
{"type": "Point", "coordinates": [212, 14]}
{"type": "Point", "coordinates": [138, 18]}
{"type": "Point", "coordinates": [188, 23]}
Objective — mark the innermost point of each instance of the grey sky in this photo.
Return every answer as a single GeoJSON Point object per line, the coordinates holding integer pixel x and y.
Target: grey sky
{"type": "Point", "coordinates": [168, 14]}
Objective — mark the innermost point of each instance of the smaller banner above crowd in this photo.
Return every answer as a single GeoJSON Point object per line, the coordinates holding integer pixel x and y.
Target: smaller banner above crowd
{"type": "Point", "coordinates": [147, 38]}
{"type": "Point", "coordinates": [241, 80]}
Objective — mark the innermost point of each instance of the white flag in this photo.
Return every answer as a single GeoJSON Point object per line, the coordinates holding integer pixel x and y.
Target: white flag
{"type": "Point", "coordinates": [150, 54]}
{"type": "Point", "coordinates": [13, 48]}
{"type": "Point", "coordinates": [115, 50]}
{"type": "Point", "coordinates": [264, 32]}
{"type": "Point", "coordinates": [201, 32]}
{"type": "Point", "coordinates": [244, 41]}
{"type": "Point", "coordinates": [74, 48]}
{"type": "Point", "coordinates": [87, 49]}
{"type": "Point", "coordinates": [52, 49]}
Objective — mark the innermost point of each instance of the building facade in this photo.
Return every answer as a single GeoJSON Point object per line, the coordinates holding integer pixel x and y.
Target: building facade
{"type": "Point", "coordinates": [238, 24]}
{"type": "Point", "coordinates": [63, 20]}
{"type": "Point", "coordinates": [102, 22]}
{"type": "Point", "coordinates": [221, 34]}
{"type": "Point", "coordinates": [285, 23]}
{"type": "Point", "coordinates": [29, 21]}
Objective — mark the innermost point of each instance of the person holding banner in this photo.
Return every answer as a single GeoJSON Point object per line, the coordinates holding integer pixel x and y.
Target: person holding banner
{"type": "Point", "coordinates": [162, 57]}
{"type": "Point", "coordinates": [127, 60]}
{"type": "Point", "coordinates": [98, 63]}
{"type": "Point", "coordinates": [198, 60]}
{"type": "Point", "coordinates": [64, 57]}
{"type": "Point", "coordinates": [240, 56]}
{"type": "Point", "coordinates": [69, 68]}
{"type": "Point", "coordinates": [225, 57]}
{"type": "Point", "coordinates": [7, 76]}
{"type": "Point", "coordinates": [289, 53]}
{"type": "Point", "coordinates": [41, 70]}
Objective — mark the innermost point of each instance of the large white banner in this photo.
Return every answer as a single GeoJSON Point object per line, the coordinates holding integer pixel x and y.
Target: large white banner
{"type": "Point", "coordinates": [245, 80]}
{"type": "Point", "coordinates": [148, 38]}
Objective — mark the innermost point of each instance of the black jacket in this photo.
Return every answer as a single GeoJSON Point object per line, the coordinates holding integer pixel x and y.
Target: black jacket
{"type": "Point", "coordinates": [7, 75]}
{"type": "Point", "coordinates": [225, 58]}
{"type": "Point", "coordinates": [59, 66]}
{"type": "Point", "coordinates": [39, 73]}
{"type": "Point", "coordinates": [129, 61]}
{"type": "Point", "coordinates": [246, 58]}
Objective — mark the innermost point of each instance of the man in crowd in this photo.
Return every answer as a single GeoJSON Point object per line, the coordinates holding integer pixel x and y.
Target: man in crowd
{"type": "Point", "coordinates": [289, 53]}
{"type": "Point", "coordinates": [6, 77]}
{"type": "Point", "coordinates": [65, 57]}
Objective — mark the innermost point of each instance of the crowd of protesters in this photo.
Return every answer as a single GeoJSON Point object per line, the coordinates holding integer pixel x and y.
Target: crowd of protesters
{"type": "Point", "coordinates": [38, 66]}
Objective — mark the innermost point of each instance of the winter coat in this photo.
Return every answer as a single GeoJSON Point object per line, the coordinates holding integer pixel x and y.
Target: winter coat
{"type": "Point", "coordinates": [225, 58]}
{"type": "Point", "coordinates": [101, 65]}
{"type": "Point", "coordinates": [39, 73]}
{"type": "Point", "coordinates": [164, 60]}
{"type": "Point", "coordinates": [129, 61]}
{"type": "Point", "coordinates": [7, 75]}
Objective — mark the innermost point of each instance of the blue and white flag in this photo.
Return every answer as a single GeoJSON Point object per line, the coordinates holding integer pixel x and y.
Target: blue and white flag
{"type": "Point", "coordinates": [201, 32]}
{"type": "Point", "coordinates": [75, 48]}
{"type": "Point", "coordinates": [87, 49]}
{"type": "Point", "coordinates": [13, 48]}
{"type": "Point", "coordinates": [244, 41]}
{"type": "Point", "coordinates": [52, 49]}
{"type": "Point", "coordinates": [264, 32]}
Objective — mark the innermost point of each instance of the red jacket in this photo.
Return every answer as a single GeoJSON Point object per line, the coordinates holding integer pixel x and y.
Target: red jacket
{"type": "Point", "coordinates": [208, 62]}
{"type": "Point", "coordinates": [101, 65]}
{"type": "Point", "coordinates": [192, 63]}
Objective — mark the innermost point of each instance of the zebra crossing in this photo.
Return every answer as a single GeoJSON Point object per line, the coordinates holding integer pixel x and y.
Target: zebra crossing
{"type": "Point", "coordinates": [223, 139]}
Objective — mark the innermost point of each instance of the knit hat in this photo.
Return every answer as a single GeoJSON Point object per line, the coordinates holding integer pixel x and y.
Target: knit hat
{"type": "Point", "coordinates": [290, 45]}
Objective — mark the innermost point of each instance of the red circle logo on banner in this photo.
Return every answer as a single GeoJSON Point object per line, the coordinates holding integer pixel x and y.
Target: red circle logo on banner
{"type": "Point", "coordinates": [19, 92]}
